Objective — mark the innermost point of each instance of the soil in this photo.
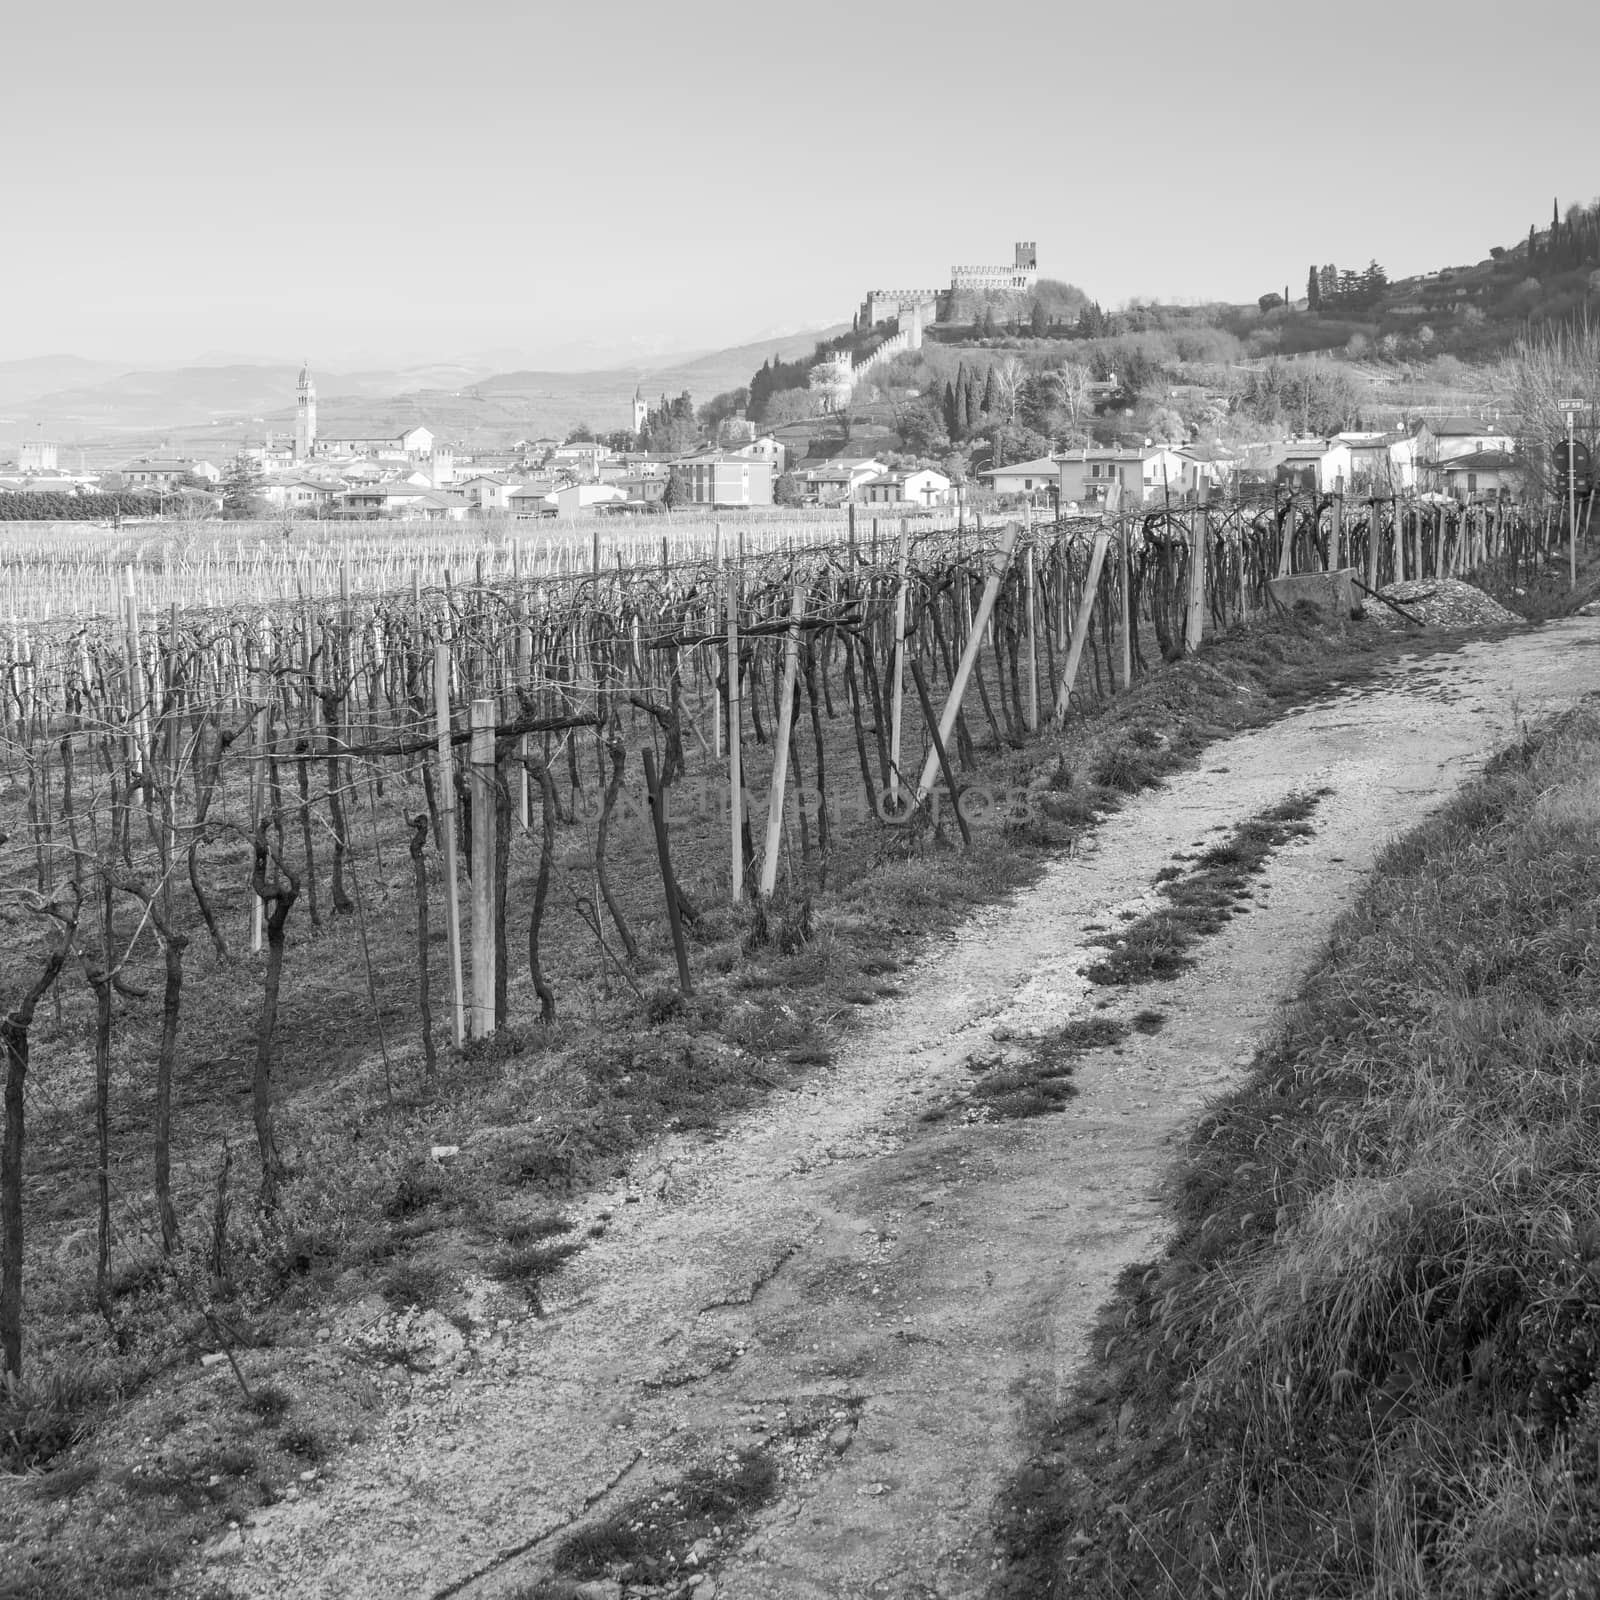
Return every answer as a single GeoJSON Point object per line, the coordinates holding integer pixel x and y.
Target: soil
{"type": "Point", "coordinates": [882, 1302]}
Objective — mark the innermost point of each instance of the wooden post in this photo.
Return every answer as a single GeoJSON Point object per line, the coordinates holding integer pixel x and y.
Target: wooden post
{"type": "Point", "coordinates": [658, 816]}
{"type": "Point", "coordinates": [716, 691]}
{"type": "Point", "coordinates": [1399, 544]}
{"type": "Point", "coordinates": [898, 688]}
{"type": "Point", "coordinates": [952, 706]}
{"type": "Point", "coordinates": [447, 809]}
{"type": "Point", "coordinates": [780, 753]}
{"type": "Point", "coordinates": [1080, 628]}
{"type": "Point", "coordinates": [1030, 704]}
{"type": "Point", "coordinates": [1374, 527]}
{"type": "Point", "coordinates": [1286, 548]}
{"type": "Point", "coordinates": [735, 777]}
{"type": "Point", "coordinates": [1194, 619]}
{"type": "Point", "coordinates": [1335, 558]}
{"type": "Point", "coordinates": [1125, 561]}
{"type": "Point", "coordinates": [481, 780]}
{"type": "Point", "coordinates": [941, 757]}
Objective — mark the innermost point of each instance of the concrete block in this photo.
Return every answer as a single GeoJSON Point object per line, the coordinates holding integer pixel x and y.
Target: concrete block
{"type": "Point", "coordinates": [1331, 592]}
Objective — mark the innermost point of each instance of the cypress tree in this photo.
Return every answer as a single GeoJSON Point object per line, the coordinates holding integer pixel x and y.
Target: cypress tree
{"type": "Point", "coordinates": [1313, 291]}
{"type": "Point", "coordinates": [991, 393]}
{"type": "Point", "coordinates": [952, 422]}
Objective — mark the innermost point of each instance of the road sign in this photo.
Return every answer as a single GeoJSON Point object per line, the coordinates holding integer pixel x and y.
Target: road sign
{"type": "Point", "coordinates": [1573, 456]}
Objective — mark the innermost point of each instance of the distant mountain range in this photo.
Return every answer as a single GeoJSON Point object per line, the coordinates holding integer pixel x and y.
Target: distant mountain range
{"type": "Point", "coordinates": [83, 402]}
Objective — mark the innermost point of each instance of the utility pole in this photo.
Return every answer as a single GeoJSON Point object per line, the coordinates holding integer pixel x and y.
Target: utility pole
{"type": "Point", "coordinates": [1572, 505]}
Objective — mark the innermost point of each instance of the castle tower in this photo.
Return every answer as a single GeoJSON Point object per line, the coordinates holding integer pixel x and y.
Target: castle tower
{"type": "Point", "coordinates": [305, 415]}
{"type": "Point", "coordinates": [641, 411]}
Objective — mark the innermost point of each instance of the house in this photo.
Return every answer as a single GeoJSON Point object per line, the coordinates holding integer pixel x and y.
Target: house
{"type": "Point", "coordinates": [139, 475]}
{"type": "Point", "coordinates": [643, 488]}
{"type": "Point", "coordinates": [534, 499]}
{"type": "Point", "coordinates": [298, 496]}
{"type": "Point", "coordinates": [572, 498]}
{"type": "Point", "coordinates": [1381, 463]}
{"type": "Point", "coordinates": [582, 459]}
{"type": "Point", "coordinates": [486, 492]}
{"type": "Point", "coordinates": [1482, 475]}
{"type": "Point", "coordinates": [1208, 467]}
{"type": "Point", "coordinates": [726, 480]}
{"type": "Point", "coordinates": [1144, 472]}
{"type": "Point", "coordinates": [1321, 465]}
{"type": "Point", "coordinates": [765, 448]}
{"type": "Point", "coordinates": [408, 500]}
{"type": "Point", "coordinates": [830, 482]}
{"type": "Point", "coordinates": [1439, 440]}
{"type": "Point", "coordinates": [921, 487]}
{"type": "Point", "coordinates": [1038, 476]}
{"type": "Point", "coordinates": [1443, 438]}
{"type": "Point", "coordinates": [374, 439]}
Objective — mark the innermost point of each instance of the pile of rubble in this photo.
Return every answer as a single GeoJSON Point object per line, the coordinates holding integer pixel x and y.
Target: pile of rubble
{"type": "Point", "coordinates": [1437, 603]}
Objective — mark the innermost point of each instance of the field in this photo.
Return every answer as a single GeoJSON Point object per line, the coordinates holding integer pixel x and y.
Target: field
{"type": "Point", "coordinates": [226, 839]}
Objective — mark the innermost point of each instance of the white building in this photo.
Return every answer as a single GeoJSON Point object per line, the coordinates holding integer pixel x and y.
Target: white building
{"type": "Point", "coordinates": [1034, 477]}
{"type": "Point", "coordinates": [920, 487]}
{"type": "Point", "coordinates": [1145, 473]}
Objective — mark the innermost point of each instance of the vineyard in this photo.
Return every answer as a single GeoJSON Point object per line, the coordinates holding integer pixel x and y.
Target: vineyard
{"type": "Point", "coordinates": [280, 817]}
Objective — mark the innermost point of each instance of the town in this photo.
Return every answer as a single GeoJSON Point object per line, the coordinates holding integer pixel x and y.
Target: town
{"type": "Point", "coordinates": [865, 421]}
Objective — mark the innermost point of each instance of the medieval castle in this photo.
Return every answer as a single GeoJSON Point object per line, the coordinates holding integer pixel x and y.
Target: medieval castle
{"type": "Point", "coordinates": [915, 309]}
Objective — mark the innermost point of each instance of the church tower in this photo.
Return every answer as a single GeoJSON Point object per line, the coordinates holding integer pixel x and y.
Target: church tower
{"type": "Point", "coordinates": [305, 415]}
{"type": "Point", "coordinates": [640, 410]}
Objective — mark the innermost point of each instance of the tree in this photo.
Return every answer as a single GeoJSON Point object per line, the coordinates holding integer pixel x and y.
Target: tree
{"type": "Point", "coordinates": [720, 407]}
{"type": "Point", "coordinates": [790, 405]}
{"type": "Point", "coordinates": [1313, 291]}
{"type": "Point", "coordinates": [991, 393]}
{"type": "Point", "coordinates": [1039, 321]}
{"type": "Point", "coordinates": [676, 494]}
{"type": "Point", "coordinates": [786, 491]}
{"type": "Point", "coordinates": [1270, 302]}
{"type": "Point", "coordinates": [922, 429]}
{"type": "Point", "coordinates": [988, 329]}
{"type": "Point", "coordinates": [1167, 427]}
{"type": "Point", "coordinates": [240, 486]}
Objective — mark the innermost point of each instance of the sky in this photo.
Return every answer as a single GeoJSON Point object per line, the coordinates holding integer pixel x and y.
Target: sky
{"type": "Point", "coordinates": [583, 185]}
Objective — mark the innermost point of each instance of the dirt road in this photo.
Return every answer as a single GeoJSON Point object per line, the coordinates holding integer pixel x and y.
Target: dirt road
{"type": "Point", "coordinates": [881, 1299]}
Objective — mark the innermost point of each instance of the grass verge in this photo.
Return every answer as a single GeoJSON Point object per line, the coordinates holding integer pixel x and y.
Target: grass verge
{"type": "Point", "coordinates": [1366, 1363]}
{"type": "Point", "coordinates": [1156, 946]}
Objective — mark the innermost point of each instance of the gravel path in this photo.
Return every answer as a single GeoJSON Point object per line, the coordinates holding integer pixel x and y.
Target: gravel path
{"type": "Point", "coordinates": [881, 1299]}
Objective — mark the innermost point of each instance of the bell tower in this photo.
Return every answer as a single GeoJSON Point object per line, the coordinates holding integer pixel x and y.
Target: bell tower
{"type": "Point", "coordinates": [640, 410]}
{"type": "Point", "coordinates": [305, 415]}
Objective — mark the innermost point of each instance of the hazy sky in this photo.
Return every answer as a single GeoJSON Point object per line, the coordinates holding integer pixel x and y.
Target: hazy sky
{"type": "Point", "coordinates": [355, 181]}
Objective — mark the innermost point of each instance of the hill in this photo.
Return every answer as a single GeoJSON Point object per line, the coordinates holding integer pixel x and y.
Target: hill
{"type": "Point", "coordinates": [107, 409]}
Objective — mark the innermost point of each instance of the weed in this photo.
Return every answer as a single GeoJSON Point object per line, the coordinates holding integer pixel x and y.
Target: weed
{"type": "Point", "coordinates": [651, 1534]}
{"type": "Point", "coordinates": [1149, 1021]}
{"type": "Point", "coordinates": [528, 1264]}
{"type": "Point", "coordinates": [528, 1230]}
{"type": "Point", "coordinates": [409, 1282]}
{"type": "Point", "coordinates": [1157, 946]}
{"type": "Point", "coordinates": [42, 1416]}
{"type": "Point", "coordinates": [270, 1402]}
{"type": "Point", "coordinates": [64, 1482]}
{"type": "Point", "coordinates": [1124, 768]}
{"type": "Point", "coordinates": [304, 1443]}
{"type": "Point", "coordinates": [417, 1186]}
